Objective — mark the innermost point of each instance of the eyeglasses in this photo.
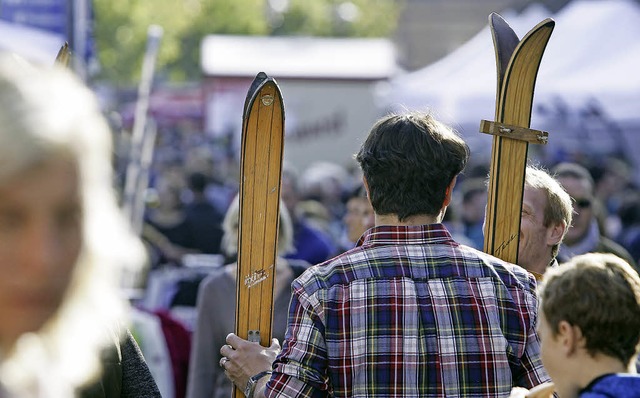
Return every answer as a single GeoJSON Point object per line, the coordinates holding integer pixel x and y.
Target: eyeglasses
{"type": "Point", "coordinates": [583, 203]}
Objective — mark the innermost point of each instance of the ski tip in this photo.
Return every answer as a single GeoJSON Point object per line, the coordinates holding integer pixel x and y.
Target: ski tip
{"type": "Point", "coordinates": [544, 27]}
{"type": "Point", "coordinates": [504, 38]}
{"type": "Point", "coordinates": [549, 22]}
{"type": "Point", "coordinates": [257, 81]}
{"type": "Point", "coordinates": [64, 55]}
{"type": "Point", "coordinates": [499, 26]}
{"type": "Point", "coordinates": [260, 78]}
{"type": "Point", "coordinates": [495, 17]}
{"type": "Point", "coordinates": [497, 22]}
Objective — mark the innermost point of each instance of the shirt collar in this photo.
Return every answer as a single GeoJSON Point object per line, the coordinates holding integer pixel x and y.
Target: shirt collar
{"type": "Point", "coordinates": [406, 235]}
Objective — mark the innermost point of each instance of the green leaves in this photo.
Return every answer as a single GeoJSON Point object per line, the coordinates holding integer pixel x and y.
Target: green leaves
{"type": "Point", "coordinates": [121, 27]}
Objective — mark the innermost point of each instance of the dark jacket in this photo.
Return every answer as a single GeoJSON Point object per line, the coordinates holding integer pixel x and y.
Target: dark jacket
{"type": "Point", "coordinates": [125, 373]}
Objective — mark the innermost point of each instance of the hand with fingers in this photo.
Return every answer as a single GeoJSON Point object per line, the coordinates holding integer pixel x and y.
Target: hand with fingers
{"type": "Point", "coordinates": [544, 390]}
{"type": "Point", "coordinates": [242, 359]}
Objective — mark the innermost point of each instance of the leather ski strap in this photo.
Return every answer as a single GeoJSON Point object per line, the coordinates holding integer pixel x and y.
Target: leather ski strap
{"type": "Point", "coordinates": [260, 176]}
{"type": "Point", "coordinates": [517, 63]}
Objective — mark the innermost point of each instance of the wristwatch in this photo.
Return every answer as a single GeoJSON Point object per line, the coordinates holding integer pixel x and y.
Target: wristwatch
{"type": "Point", "coordinates": [253, 380]}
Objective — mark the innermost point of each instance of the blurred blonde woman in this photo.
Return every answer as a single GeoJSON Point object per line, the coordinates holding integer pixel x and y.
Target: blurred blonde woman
{"type": "Point", "coordinates": [217, 306]}
{"type": "Point", "coordinates": [63, 240]}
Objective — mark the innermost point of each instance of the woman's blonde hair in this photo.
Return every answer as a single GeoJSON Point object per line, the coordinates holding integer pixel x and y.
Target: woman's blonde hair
{"type": "Point", "coordinates": [47, 113]}
{"type": "Point", "coordinates": [230, 227]}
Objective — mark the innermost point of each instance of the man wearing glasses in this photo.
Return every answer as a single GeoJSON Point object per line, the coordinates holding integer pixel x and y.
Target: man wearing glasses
{"type": "Point", "coordinates": [585, 235]}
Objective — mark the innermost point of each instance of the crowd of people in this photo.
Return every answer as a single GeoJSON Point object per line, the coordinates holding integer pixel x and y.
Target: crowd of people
{"type": "Point", "coordinates": [604, 213]}
{"type": "Point", "coordinates": [382, 288]}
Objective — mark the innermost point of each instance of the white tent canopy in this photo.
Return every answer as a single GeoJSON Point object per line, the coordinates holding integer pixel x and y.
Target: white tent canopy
{"type": "Point", "coordinates": [594, 52]}
{"type": "Point", "coordinates": [590, 67]}
{"type": "Point", "coordinates": [468, 71]}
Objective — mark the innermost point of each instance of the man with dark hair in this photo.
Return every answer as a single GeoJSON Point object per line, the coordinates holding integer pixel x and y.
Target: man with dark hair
{"type": "Point", "coordinates": [409, 311]}
{"type": "Point", "coordinates": [590, 326]}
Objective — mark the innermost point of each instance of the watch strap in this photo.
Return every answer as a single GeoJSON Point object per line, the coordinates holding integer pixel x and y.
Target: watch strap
{"type": "Point", "coordinates": [253, 380]}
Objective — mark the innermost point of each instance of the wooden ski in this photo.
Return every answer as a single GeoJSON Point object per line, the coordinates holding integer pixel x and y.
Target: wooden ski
{"type": "Point", "coordinates": [261, 171]}
{"type": "Point", "coordinates": [142, 137]}
{"type": "Point", "coordinates": [517, 63]}
{"type": "Point", "coordinates": [64, 55]}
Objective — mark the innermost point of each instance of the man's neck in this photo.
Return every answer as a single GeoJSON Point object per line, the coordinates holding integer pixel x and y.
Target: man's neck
{"type": "Point", "coordinates": [392, 219]}
{"type": "Point", "coordinates": [538, 269]}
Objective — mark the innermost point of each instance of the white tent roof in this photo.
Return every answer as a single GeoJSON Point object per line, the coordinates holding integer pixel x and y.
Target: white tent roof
{"type": "Point", "coordinates": [469, 69]}
{"type": "Point", "coordinates": [594, 51]}
{"type": "Point", "coordinates": [35, 45]}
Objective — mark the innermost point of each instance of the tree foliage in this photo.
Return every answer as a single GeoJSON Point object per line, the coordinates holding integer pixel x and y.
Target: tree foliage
{"type": "Point", "coordinates": [121, 28]}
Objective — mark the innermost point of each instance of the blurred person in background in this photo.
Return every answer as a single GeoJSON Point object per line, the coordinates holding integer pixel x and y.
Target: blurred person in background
{"type": "Point", "coordinates": [165, 226]}
{"type": "Point", "coordinates": [612, 183]}
{"type": "Point", "coordinates": [454, 225]}
{"type": "Point", "coordinates": [63, 242]}
{"type": "Point", "coordinates": [221, 179]}
{"type": "Point", "coordinates": [629, 214]}
{"type": "Point", "coordinates": [585, 234]}
{"type": "Point", "coordinates": [327, 184]}
{"type": "Point", "coordinates": [217, 305]}
{"type": "Point", "coordinates": [174, 228]}
{"type": "Point", "coordinates": [309, 243]}
{"type": "Point", "coordinates": [472, 209]}
{"type": "Point", "coordinates": [203, 220]}
{"type": "Point", "coordinates": [358, 218]}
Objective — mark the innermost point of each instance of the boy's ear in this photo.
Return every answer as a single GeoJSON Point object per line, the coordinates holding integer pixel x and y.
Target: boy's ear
{"type": "Point", "coordinates": [570, 337]}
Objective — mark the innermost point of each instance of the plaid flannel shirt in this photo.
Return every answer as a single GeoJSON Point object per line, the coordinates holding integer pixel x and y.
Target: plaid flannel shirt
{"type": "Point", "coordinates": [410, 313]}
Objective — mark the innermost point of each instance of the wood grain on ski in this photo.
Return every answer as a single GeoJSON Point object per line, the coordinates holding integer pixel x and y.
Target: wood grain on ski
{"type": "Point", "coordinates": [514, 100]}
{"type": "Point", "coordinates": [261, 169]}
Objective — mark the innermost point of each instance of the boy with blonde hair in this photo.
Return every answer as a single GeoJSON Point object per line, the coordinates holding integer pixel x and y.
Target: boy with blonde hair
{"type": "Point", "coordinates": [589, 327]}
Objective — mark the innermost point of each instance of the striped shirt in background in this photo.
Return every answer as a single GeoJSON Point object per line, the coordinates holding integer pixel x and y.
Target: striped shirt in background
{"type": "Point", "coordinates": [407, 313]}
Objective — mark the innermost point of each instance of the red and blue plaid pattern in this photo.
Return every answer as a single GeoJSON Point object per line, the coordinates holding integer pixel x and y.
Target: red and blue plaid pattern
{"type": "Point", "coordinates": [410, 313]}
